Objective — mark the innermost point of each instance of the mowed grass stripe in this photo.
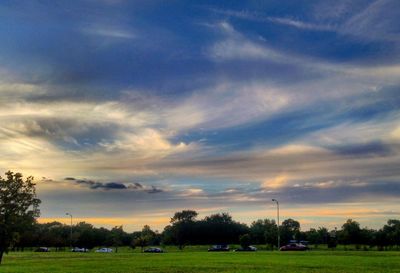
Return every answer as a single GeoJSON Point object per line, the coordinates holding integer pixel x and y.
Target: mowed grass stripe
{"type": "Point", "coordinates": [313, 261]}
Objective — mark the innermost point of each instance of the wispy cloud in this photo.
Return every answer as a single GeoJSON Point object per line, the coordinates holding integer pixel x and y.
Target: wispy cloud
{"type": "Point", "coordinates": [108, 32]}
{"type": "Point", "coordinates": [236, 46]}
{"type": "Point", "coordinates": [372, 22]}
{"type": "Point", "coordinates": [300, 24]}
{"type": "Point", "coordinates": [254, 16]}
{"type": "Point", "coordinates": [375, 22]}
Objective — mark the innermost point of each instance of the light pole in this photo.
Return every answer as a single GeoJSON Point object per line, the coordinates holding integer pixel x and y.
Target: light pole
{"type": "Point", "coordinates": [70, 234]}
{"type": "Point", "coordinates": [277, 212]}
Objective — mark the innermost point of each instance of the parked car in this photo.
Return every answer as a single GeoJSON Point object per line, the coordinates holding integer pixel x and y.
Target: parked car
{"type": "Point", "coordinates": [219, 248]}
{"type": "Point", "coordinates": [294, 247]}
{"type": "Point", "coordinates": [77, 249]}
{"type": "Point", "coordinates": [249, 248]}
{"type": "Point", "coordinates": [42, 249]}
{"type": "Point", "coordinates": [104, 250]}
{"type": "Point", "coordinates": [154, 250]}
{"type": "Point", "coordinates": [304, 243]}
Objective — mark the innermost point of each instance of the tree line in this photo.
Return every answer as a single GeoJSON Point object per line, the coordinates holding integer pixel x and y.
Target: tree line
{"type": "Point", "coordinates": [185, 229]}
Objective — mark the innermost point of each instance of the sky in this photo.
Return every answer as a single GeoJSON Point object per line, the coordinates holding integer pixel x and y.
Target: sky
{"type": "Point", "coordinates": [128, 111]}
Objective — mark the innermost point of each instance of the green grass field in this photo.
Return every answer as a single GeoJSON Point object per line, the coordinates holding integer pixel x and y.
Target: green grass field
{"type": "Point", "coordinates": [199, 261]}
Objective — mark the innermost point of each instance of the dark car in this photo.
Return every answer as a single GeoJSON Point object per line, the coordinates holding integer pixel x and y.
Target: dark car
{"type": "Point", "coordinates": [294, 247]}
{"type": "Point", "coordinates": [42, 249]}
{"type": "Point", "coordinates": [153, 250]}
{"type": "Point", "coordinates": [219, 248]}
{"type": "Point", "coordinates": [248, 248]}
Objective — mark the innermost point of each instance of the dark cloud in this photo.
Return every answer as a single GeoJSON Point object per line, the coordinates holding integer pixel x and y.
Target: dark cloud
{"type": "Point", "coordinates": [111, 185]}
{"type": "Point", "coordinates": [154, 190]}
{"type": "Point", "coordinates": [135, 185]}
{"type": "Point", "coordinates": [46, 179]}
{"type": "Point", "coordinates": [99, 185]}
{"type": "Point", "coordinates": [332, 192]}
{"type": "Point", "coordinates": [364, 149]}
{"type": "Point", "coordinates": [114, 185]}
{"type": "Point", "coordinates": [138, 185]}
{"type": "Point", "coordinates": [340, 193]}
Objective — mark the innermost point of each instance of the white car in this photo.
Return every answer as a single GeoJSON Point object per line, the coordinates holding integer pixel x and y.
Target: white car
{"type": "Point", "coordinates": [104, 250]}
{"type": "Point", "coordinates": [77, 249]}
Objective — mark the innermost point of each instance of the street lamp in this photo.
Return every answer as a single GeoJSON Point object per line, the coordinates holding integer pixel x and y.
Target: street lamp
{"type": "Point", "coordinates": [70, 234]}
{"type": "Point", "coordinates": [277, 212]}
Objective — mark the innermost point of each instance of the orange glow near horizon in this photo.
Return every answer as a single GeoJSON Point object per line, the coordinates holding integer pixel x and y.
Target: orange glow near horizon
{"type": "Point", "coordinates": [308, 217]}
{"type": "Point", "coordinates": [109, 222]}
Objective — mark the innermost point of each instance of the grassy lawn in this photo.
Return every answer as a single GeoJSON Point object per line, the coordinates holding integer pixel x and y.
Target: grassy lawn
{"type": "Point", "coordinates": [262, 261]}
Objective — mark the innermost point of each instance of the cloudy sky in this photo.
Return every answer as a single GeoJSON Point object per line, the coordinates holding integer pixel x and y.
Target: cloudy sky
{"type": "Point", "coordinates": [127, 111]}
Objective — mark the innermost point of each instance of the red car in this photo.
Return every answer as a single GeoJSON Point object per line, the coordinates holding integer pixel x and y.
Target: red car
{"type": "Point", "coordinates": [294, 247]}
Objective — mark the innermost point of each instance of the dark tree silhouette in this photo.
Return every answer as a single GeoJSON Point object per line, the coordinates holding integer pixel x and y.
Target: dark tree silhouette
{"type": "Point", "coordinates": [19, 208]}
{"type": "Point", "coordinates": [350, 233]}
{"type": "Point", "coordinates": [182, 229]}
{"type": "Point", "coordinates": [116, 237]}
{"type": "Point", "coordinates": [289, 230]}
{"type": "Point", "coordinates": [245, 240]}
{"type": "Point", "coordinates": [184, 216]}
{"type": "Point", "coordinates": [264, 232]}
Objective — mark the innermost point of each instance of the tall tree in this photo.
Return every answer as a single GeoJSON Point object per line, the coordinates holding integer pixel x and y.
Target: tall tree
{"type": "Point", "coordinates": [19, 208]}
{"type": "Point", "coordinates": [264, 231]}
{"type": "Point", "coordinates": [220, 228]}
{"type": "Point", "coordinates": [145, 238]}
{"type": "Point", "coordinates": [245, 240]}
{"type": "Point", "coordinates": [184, 216]}
{"type": "Point", "coordinates": [289, 230]}
{"type": "Point", "coordinates": [392, 231]}
{"type": "Point", "coordinates": [182, 228]}
{"type": "Point", "coordinates": [150, 234]}
{"type": "Point", "coordinates": [351, 232]}
{"type": "Point", "coordinates": [316, 237]}
{"type": "Point", "coordinates": [116, 237]}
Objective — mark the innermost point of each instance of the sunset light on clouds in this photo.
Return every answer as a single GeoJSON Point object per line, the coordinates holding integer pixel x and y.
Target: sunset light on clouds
{"type": "Point", "coordinates": [127, 111]}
